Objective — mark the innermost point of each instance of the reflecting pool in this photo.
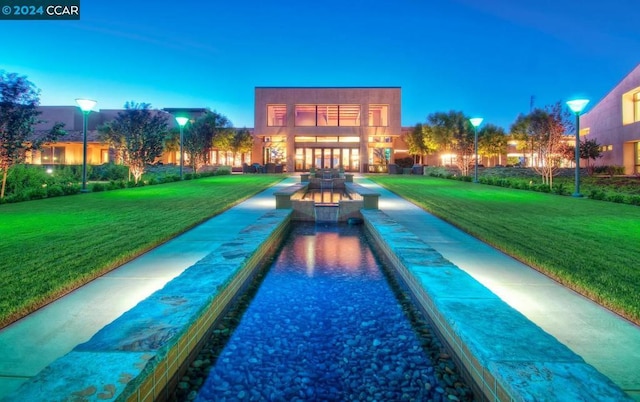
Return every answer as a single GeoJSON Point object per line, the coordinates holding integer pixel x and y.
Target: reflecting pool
{"type": "Point", "coordinates": [325, 325]}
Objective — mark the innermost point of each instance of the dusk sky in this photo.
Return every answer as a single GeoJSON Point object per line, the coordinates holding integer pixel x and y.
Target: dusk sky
{"type": "Point", "coordinates": [486, 58]}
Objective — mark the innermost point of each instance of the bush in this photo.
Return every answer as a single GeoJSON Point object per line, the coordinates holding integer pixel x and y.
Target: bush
{"type": "Point", "coordinates": [223, 171]}
{"type": "Point", "coordinates": [597, 194]}
{"type": "Point", "coordinates": [98, 187]}
{"type": "Point", "coordinates": [109, 171]}
{"type": "Point", "coordinates": [55, 191]}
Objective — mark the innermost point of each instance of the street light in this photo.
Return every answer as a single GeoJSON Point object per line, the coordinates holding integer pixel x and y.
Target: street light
{"type": "Point", "coordinates": [475, 122]}
{"type": "Point", "coordinates": [181, 122]}
{"type": "Point", "coordinates": [85, 105]}
{"type": "Point", "coordinates": [577, 106]}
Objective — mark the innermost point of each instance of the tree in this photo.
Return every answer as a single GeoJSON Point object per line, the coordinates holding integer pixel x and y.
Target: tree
{"type": "Point", "coordinates": [589, 149]}
{"type": "Point", "coordinates": [242, 142]}
{"type": "Point", "coordinates": [199, 139]}
{"type": "Point", "coordinates": [492, 142]}
{"type": "Point", "coordinates": [452, 130]}
{"type": "Point", "coordinates": [137, 134]}
{"type": "Point", "coordinates": [419, 142]}
{"type": "Point", "coordinates": [543, 131]}
{"type": "Point", "coordinates": [19, 100]}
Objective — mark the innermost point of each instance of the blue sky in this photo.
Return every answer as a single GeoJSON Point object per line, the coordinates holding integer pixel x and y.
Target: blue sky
{"type": "Point", "coordinates": [484, 57]}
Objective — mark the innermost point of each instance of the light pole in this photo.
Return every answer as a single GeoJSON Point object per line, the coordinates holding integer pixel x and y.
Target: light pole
{"type": "Point", "coordinates": [181, 122]}
{"type": "Point", "coordinates": [577, 106]}
{"type": "Point", "coordinates": [85, 105]}
{"type": "Point", "coordinates": [475, 122]}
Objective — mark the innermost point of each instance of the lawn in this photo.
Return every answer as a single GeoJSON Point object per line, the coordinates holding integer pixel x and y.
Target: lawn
{"type": "Point", "coordinates": [52, 246]}
{"type": "Point", "coordinates": [588, 245]}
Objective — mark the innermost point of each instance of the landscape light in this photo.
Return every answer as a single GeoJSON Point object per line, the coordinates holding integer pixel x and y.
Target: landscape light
{"type": "Point", "coordinates": [85, 105]}
{"type": "Point", "coordinates": [577, 106]}
{"type": "Point", "coordinates": [475, 122]}
{"type": "Point", "coordinates": [181, 122]}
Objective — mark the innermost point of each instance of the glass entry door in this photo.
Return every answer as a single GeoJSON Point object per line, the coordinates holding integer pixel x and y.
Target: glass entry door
{"type": "Point", "coordinates": [328, 158]}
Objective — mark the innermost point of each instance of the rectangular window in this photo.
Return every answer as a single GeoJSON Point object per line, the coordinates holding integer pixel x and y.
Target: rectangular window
{"type": "Point", "coordinates": [52, 155]}
{"type": "Point", "coordinates": [327, 139]}
{"type": "Point", "coordinates": [349, 115]}
{"type": "Point", "coordinates": [636, 106]}
{"type": "Point", "coordinates": [327, 115]}
{"type": "Point", "coordinates": [379, 115]}
{"type": "Point", "coordinates": [300, 138]}
{"type": "Point", "coordinates": [276, 115]}
{"type": "Point", "coordinates": [305, 115]}
{"type": "Point", "coordinates": [349, 139]}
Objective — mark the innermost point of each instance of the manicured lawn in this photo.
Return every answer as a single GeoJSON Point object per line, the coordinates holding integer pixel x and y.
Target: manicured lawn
{"type": "Point", "coordinates": [51, 246]}
{"type": "Point", "coordinates": [591, 246]}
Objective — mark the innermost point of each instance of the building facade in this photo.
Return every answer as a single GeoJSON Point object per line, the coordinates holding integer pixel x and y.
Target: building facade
{"type": "Point", "coordinates": [614, 122]}
{"type": "Point", "coordinates": [353, 128]}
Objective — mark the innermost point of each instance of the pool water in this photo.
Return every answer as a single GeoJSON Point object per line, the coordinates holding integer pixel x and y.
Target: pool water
{"type": "Point", "coordinates": [325, 325]}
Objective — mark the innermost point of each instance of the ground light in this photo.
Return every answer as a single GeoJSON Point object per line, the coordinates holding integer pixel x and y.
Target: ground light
{"type": "Point", "coordinates": [475, 122]}
{"type": "Point", "coordinates": [181, 122]}
{"type": "Point", "coordinates": [85, 105]}
{"type": "Point", "coordinates": [577, 106]}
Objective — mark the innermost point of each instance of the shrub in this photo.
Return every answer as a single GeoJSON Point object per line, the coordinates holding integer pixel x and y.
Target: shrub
{"type": "Point", "coordinates": [98, 187]}
{"type": "Point", "coordinates": [597, 194]}
{"type": "Point", "coordinates": [35, 193]}
{"type": "Point", "coordinates": [223, 171]}
{"type": "Point", "coordinates": [618, 198]}
{"type": "Point", "coordinates": [109, 171]}
{"type": "Point", "coordinates": [560, 189]}
{"type": "Point", "coordinates": [404, 162]}
{"type": "Point", "coordinates": [55, 191]}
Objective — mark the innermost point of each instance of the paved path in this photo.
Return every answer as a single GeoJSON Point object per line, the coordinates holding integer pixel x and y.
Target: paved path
{"type": "Point", "coordinates": [605, 340]}
{"type": "Point", "coordinates": [29, 345]}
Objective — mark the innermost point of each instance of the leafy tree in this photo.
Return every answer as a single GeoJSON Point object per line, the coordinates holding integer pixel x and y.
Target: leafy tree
{"type": "Point", "coordinates": [589, 149]}
{"type": "Point", "coordinates": [19, 100]}
{"type": "Point", "coordinates": [242, 142]}
{"type": "Point", "coordinates": [453, 131]}
{"type": "Point", "coordinates": [200, 138]}
{"type": "Point", "coordinates": [419, 142]}
{"type": "Point", "coordinates": [137, 134]}
{"type": "Point", "coordinates": [492, 142]}
{"type": "Point", "coordinates": [543, 130]}
{"type": "Point", "coordinates": [223, 139]}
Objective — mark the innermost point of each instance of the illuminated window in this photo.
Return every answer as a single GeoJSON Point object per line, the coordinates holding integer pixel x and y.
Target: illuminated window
{"type": "Point", "coordinates": [327, 139]}
{"type": "Point", "coordinates": [349, 115]}
{"type": "Point", "coordinates": [52, 155]}
{"type": "Point", "coordinates": [305, 115]}
{"type": "Point", "coordinates": [276, 115]}
{"type": "Point", "coordinates": [300, 138]}
{"type": "Point", "coordinates": [349, 139]}
{"type": "Point", "coordinates": [631, 106]}
{"type": "Point", "coordinates": [327, 115]}
{"type": "Point", "coordinates": [378, 115]}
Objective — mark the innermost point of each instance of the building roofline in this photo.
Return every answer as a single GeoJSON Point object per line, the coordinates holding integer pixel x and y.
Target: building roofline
{"type": "Point", "coordinates": [612, 89]}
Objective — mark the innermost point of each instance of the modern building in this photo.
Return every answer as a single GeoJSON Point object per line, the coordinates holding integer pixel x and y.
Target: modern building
{"type": "Point", "coordinates": [354, 128]}
{"type": "Point", "coordinates": [614, 122]}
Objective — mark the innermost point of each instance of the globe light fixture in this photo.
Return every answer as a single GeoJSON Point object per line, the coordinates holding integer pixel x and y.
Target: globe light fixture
{"type": "Point", "coordinates": [475, 122]}
{"type": "Point", "coordinates": [85, 105]}
{"type": "Point", "coordinates": [577, 106]}
{"type": "Point", "coordinates": [181, 122]}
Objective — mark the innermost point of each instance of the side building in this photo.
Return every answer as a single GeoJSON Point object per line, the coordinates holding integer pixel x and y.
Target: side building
{"type": "Point", "coordinates": [354, 128]}
{"type": "Point", "coordinates": [614, 122]}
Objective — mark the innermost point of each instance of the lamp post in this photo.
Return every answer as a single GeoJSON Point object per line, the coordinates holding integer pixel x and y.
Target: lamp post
{"type": "Point", "coordinates": [577, 106]}
{"type": "Point", "coordinates": [475, 122]}
{"type": "Point", "coordinates": [181, 122]}
{"type": "Point", "coordinates": [85, 105]}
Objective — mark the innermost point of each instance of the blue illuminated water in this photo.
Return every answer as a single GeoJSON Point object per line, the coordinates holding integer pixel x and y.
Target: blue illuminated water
{"type": "Point", "coordinates": [324, 325]}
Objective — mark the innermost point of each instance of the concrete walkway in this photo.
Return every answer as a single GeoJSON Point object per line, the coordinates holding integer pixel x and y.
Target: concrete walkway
{"type": "Point", "coordinates": [31, 344]}
{"type": "Point", "coordinates": [603, 339]}
{"type": "Point", "coordinates": [606, 341]}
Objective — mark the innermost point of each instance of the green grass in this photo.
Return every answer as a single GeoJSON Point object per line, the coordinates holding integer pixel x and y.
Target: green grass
{"type": "Point", "coordinates": [50, 247]}
{"type": "Point", "coordinates": [588, 245]}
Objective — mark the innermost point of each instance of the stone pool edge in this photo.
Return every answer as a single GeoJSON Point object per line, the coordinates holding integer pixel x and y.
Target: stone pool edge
{"type": "Point", "coordinates": [137, 356]}
{"type": "Point", "coordinates": [506, 356]}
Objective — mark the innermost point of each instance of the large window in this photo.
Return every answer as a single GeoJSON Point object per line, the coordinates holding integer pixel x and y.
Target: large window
{"type": "Point", "coordinates": [636, 106]}
{"type": "Point", "coordinates": [327, 115]}
{"type": "Point", "coordinates": [52, 156]}
{"type": "Point", "coordinates": [276, 115]}
{"type": "Point", "coordinates": [378, 115]}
